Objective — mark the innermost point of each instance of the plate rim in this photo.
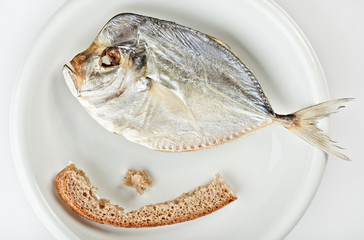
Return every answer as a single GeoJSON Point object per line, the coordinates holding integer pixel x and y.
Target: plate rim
{"type": "Point", "coordinates": [55, 225]}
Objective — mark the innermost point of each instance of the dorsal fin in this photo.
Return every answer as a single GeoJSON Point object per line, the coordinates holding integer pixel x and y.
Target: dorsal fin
{"type": "Point", "coordinates": [225, 45]}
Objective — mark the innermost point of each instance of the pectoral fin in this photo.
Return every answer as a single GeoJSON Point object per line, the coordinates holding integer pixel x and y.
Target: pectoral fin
{"type": "Point", "coordinates": [171, 102]}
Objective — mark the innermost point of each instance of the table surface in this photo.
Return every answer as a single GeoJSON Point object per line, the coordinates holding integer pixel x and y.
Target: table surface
{"type": "Point", "coordinates": [335, 30]}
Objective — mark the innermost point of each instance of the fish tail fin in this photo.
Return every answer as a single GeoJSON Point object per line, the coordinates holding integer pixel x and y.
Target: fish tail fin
{"type": "Point", "coordinates": [303, 123]}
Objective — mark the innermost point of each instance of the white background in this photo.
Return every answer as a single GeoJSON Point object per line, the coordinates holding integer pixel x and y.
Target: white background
{"type": "Point", "coordinates": [335, 29]}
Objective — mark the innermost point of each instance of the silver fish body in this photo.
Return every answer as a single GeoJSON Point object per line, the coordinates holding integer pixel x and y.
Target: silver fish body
{"type": "Point", "coordinates": [172, 88]}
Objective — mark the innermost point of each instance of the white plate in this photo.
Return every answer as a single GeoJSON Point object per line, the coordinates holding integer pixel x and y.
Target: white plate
{"type": "Point", "coordinates": [273, 173]}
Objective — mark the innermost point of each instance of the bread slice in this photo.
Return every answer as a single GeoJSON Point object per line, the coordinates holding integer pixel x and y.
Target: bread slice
{"type": "Point", "coordinates": [75, 189]}
{"type": "Point", "coordinates": [138, 180]}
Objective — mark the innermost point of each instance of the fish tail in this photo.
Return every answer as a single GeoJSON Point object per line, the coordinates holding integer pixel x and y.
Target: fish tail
{"type": "Point", "coordinates": [303, 123]}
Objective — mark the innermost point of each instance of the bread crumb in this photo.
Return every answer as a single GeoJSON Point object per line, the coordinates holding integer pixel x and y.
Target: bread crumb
{"type": "Point", "coordinates": [138, 180]}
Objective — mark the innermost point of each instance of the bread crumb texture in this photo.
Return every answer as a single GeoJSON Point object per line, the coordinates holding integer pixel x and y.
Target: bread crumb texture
{"type": "Point", "coordinates": [75, 189]}
{"type": "Point", "coordinates": [138, 180]}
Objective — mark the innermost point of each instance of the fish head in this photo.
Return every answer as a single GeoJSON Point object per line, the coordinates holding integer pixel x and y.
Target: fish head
{"type": "Point", "coordinates": [109, 62]}
{"type": "Point", "coordinates": [101, 70]}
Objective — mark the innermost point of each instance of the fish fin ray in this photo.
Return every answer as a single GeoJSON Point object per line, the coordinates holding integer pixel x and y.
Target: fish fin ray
{"type": "Point", "coordinates": [225, 45]}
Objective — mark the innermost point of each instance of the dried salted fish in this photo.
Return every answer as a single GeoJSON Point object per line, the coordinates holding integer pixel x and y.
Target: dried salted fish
{"type": "Point", "coordinates": [172, 88]}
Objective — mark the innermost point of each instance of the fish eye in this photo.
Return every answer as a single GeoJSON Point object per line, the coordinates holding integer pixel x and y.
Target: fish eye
{"type": "Point", "coordinates": [110, 57]}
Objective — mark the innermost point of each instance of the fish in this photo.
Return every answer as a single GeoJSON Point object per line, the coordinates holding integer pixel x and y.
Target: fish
{"type": "Point", "coordinates": [171, 88]}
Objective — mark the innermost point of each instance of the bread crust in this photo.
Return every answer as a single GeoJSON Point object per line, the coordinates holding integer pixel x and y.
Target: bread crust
{"type": "Point", "coordinates": [75, 189]}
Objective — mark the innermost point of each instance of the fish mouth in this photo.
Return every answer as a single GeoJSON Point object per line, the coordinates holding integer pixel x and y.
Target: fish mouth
{"type": "Point", "coordinates": [71, 80]}
{"type": "Point", "coordinates": [75, 74]}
